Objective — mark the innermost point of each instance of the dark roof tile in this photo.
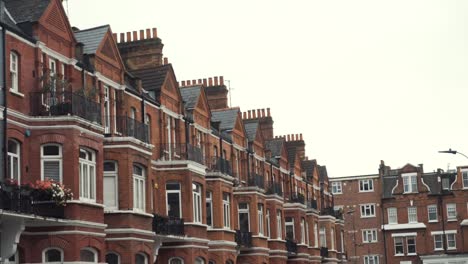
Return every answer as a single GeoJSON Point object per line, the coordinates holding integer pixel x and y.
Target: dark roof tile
{"type": "Point", "coordinates": [91, 38]}
{"type": "Point", "coordinates": [26, 10]}
{"type": "Point", "coordinates": [190, 96]}
{"type": "Point", "coordinates": [227, 117]}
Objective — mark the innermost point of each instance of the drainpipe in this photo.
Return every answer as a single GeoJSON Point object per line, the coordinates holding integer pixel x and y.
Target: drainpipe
{"type": "Point", "coordinates": [4, 84]}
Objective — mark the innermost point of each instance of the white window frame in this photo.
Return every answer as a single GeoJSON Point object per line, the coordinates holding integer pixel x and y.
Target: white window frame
{"type": "Point", "coordinates": [176, 192]}
{"type": "Point", "coordinates": [332, 238]}
{"type": "Point", "coordinates": [290, 224]}
{"type": "Point", "coordinates": [279, 225]}
{"type": "Point", "coordinates": [268, 223]}
{"type": "Point", "coordinates": [432, 209]}
{"type": "Point", "coordinates": [58, 158]}
{"type": "Point", "coordinates": [465, 178]}
{"type": "Point", "coordinates": [176, 259]}
{"type": "Point", "coordinates": [438, 239]}
{"type": "Point", "coordinates": [93, 251]}
{"type": "Point", "coordinates": [445, 182]}
{"type": "Point", "coordinates": [392, 214]}
{"type": "Point", "coordinates": [401, 241]}
{"type": "Point", "coordinates": [87, 174]}
{"type": "Point", "coordinates": [139, 192]}
{"type": "Point", "coordinates": [114, 174]}
{"type": "Point", "coordinates": [303, 232]}
{"type": "Point", "coordinates": [336, 187]}
{"type": "Point", "coordinates": [51, 248]}
{"type": "Point", "coordinates": [114, 253]}
{"type": "Point", "coordinates": [148, 123]}
{"type": "Point", "coordinates": [226, 210]}
{"type": "Point", "coordinates": [408, 245]}
{"type": "Point", "coordinates": [367, 210]}
{"type": "Point", "coordinates": [244, 211]}
{"type": "Point", "coordinates": [261, 226]}
{"type": "Point", "coordinates": [451, 211]}
{"type": "Point", "coordinates": [12, 157]}
{"type": "Point", "coordinates": [145, 257]}
{"type": "Point", "coordinates": [371, 259]}
{"type": "Point", "coordinates": [366, 185]}
{"type": "Point", "coordinates": [209, 202]}
{"type": "Point", "coordinates": [197, 205]}
{"type": "Point", "coordinates": [412, 214]}
{"type": "Point", "coordinates": [107, 114]}
{"type": "Point", "coordinates": [14, 71]}
{"type": "Point", "coordinates": [316, 235]}
{"type": "Point", "coordinates": [369, 236]}
{"type": "Point", "coordinates": [410, 182]}
{"type": "Point", "coordinates": [323, 237]}
{"type": "Point", "coordinates": [451, 237]}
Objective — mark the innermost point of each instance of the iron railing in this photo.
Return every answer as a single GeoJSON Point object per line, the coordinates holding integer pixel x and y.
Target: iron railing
{"type": "Point", "coordinates": [291, 246]}
{"type": "Point", "coordinates": [332, 212]}
{"type": "Point", "coordinates": [19, 201]}
{"type": "Point", "coordinates": [55, 103]}
{"type": "Point", "coordinates": [219, 164]}
{"type": "Point", "coordinates": [312, 204]}
{"type": "Point", "coordinates": [295, 197]}
{"type": "Point", "coordinates": [256, 180]}
{"type": "Point", "coordinates": [274, 188]}
{"type": "Point", "coordinates": [164, 225]}
{"type": "Point", "coordinates": [243, 239]}
{"type": "Point", "coordinates": [130, 127]}
{"type": "Point", "coordinates": [324, 252]}
{"type": "Point", "coordinates": [181, 152]}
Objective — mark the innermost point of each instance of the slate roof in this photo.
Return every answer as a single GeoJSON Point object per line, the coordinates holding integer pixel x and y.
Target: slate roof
{"type": "Point", "coordinates": [251, 127]}
{"type": "Point", "coordinates": [26, 10]}
{"type": "Point", "coordinates": [323, 174]}
{"type": "Point", "coordinates": [308, 166]}
{"type": "Point", "coordinates": [431, 180]}
{"type": "Point", "coordinates": [190, 96]}
{"type": "Point", "coordinates": [227, 117]}
{"type": "Point", "coordinates": [153, 78]}
{"type": "Point", "coordinates": [388, 183]}
{"type": "Point", "coordinates": [275, 146]}
{"type": "Point", "coordinates": [91, 38]}
{"type": "Point", "coordinates": [291, 149]}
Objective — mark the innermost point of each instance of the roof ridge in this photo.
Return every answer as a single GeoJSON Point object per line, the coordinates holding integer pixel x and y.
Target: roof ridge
{"type": "Point", "coordinates": [93, 28]}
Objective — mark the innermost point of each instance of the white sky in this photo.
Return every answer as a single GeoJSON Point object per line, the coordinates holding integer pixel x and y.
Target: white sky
{"type": "Point", "coordinates": [363, 81]}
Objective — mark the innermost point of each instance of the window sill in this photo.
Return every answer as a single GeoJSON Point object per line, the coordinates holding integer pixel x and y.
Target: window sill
{"type": "Point", "coordinates": [86, 202]}
{"type": "Point", "coordinates": [411, 254]}
{"type": "Point", "coordinates": [451, 220]}
{"type": "Point", "coordinates": [448, 248]}
{"type": "Point", "coordinates": [399, 255]}
{"type": "Point", "coordinates": [364, 191]}
{"type": "Point", "coordinates": [369, 216]}
{"type": "Point", "coordinates": [16, 93]}
{"type": "Point", "coordinates": [433, 221]}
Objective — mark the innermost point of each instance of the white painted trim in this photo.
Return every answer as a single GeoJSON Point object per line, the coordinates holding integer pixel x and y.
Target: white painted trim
{"type": "Point", "coordinates": [129, 212]}
{"type": "Point", "coordinates": [422, 181]}
{"type": "Point", "coordinates": [129, 139]}
{"type": "Point", "coordinates": [442, 232]}
{"type": "Point", "coordinates": [394, 187]}
{"type": "Point", "coordinates": [190, 165]}
{"type": "Point", "coordinates": [195, 224]}
{"type": "Point", "coordinates": [403, 226]}
{"type": "Point", "coordinates": [27, 42]}
{"type": "Point", "coordinates": [258, 157]}
{"type": "Point", "coordinates": [128, 146]}
{"type": "Point", "coordinates": [186, 246]}
{"type": "Point", "coordinates": [241, 148]}
{"type": "Point", "coordinates": [404, 234]}
{"type": "Point", "coordinates": [109, 82]}
{"type": "Point", "coordinates": [86, 203]}
{"type": "Point", "coordinates": [65, 222]}
{"type": "Point", "coordinates": [55, 127]}
{"type": "Point", "coordinates": [171, 113]}
{"type": "Point", "coordinates": [134, 96]}
{"type": "Point", "coordinates": [222, 250]}
{"type": "Point", "coordinates": [222, 243]}
{"type": "Point", "coordinates": [221, 230]}
{"type": "Point", "coordinates": [129, 230]}
{"type": "Point", "coordinates": [282, 170]}
{"type": "Point", "coordinates": [151, 104]}
{"type": "Point", "coordinates": [464, 222]}
{"type": "Point", "coordinates": [202, 129]}
{"type": "Point", "coordinates": [130, 239]}
{"type": "Point", "coordinates": [221, 179]}
{"type": "Point", "coordinates": [67, 232]}
{"type": "Point", "coordinates": [16, 93]}
{"type": "Point", "coordinates": [52, 53]}
{"type": "Point", "coordinates": [235, 192]}
{"type": "Point", "coordinates": [352, 178]}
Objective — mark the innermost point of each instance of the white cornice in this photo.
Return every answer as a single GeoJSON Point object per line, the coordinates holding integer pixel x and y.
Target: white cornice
{"type": "Point", "coordinates": [129, 139]}
{"type": "Point", "coordinates": [79, 128]}
{"type": "Point", "coordinates": [130, 147]}
{"type": "Point", "coordinates": [190, 165]}
{"type": "Point", "coordinates": [109, 82]}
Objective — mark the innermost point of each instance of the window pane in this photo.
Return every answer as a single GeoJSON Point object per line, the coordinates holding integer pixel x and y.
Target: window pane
{"type": "Point", "coordinates": [112, 258]}
{"type": "Point", "coordinates": [173, 186]}
{"type": "Point", "coordinates": [110, 187]}
{"type": "Point", "coordinates": [173, 204]}
{"type": "Point", "coordinates": [87, 255]}
{"type": "Point", "coordinates": [140, 259]}
{"type": "Point", "coordinates": [109, 166]}
{"type": "Point", "coordinates": [52, 170]}
{"type": "Point", "coordinates": [53, 255]}
{"type": "Point", "coordinates": [51, 151]}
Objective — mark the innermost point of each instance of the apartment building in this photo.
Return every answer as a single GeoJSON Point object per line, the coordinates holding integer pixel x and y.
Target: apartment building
{"type": "Point", "coordinates": [406, 215]}
{"type": "Point", "coordinates": [161, 170]}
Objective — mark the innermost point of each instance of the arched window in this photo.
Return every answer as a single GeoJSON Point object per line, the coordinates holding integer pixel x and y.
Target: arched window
{"type": "Point", "coordinates": [141, 258]}
{"type": "Point", "coordinates": [88, 255]}
{"type": "Point", "coordinates": [197, 205]}
{"type": "Point", "coordinates": [112, 258]}
{"type": "Point", "coordinates": [176, 261]}
{"type": "Point", "coordinates": [87, 169]}
{"type": "Point", "coordinates": [138, 188]}
{"type": "Point", "coordinates": [211, 262]}
{"type": "Point", "coordinates": [52, 255]}
{"type": "Point", "coordinates": [229, 261]}
{"type": "Point", "coordinates": [14, 71]}
{"type": "Point", "coordinates": [14, 160]}
{"type": "Point", "coordinates": [51, 162]}
{"type": "Point", "coordinates": [173, 200]}
{"type": "Point", "coordinates": [199, 261]}
{"type": "Point", "coordinates": [111, 197]}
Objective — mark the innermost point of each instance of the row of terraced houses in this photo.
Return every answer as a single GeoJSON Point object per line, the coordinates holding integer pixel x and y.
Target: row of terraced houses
{"type": "Point", "coordinates": [161, 170]}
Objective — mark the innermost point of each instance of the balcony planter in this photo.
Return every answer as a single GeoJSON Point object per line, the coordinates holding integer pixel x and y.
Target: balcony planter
{"type": "Point", "coordinates": [48, 209]}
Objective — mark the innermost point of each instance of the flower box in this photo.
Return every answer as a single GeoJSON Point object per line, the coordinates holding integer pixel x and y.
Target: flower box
{"type": "Point", "coordinates": [48, 209]}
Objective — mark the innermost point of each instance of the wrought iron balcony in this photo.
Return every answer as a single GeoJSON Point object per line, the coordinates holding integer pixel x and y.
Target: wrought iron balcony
{"type": "Point", "coordinates": [220, 165]}
{"type": "Point", "coordinates": [181, 152]}
{"type": "Point", "coordinates": [257, 180]}
{"type": "Point", "coordinates": [312, 204]}
{"type": "Point", "coordinates": [55, 103]}
{"type": "Point", "coordinates": [324, 252]}
{"type": "Point", "coordinates": [23, 202]}
{"type": "Point", "coordinates": [243, 239]}
{"type": "Point", "coordinates": [274, 188]}
{"type": "Point", "coordinates": [130, 127]}
{"type": "Point", "coordinates": [164, 225]}
{"type": "Point", "coordinates": [332, 212]}
{"type": "Point", "coordinates": [295, 197]}
{"type": "Point", "coordinates": [291, 246]}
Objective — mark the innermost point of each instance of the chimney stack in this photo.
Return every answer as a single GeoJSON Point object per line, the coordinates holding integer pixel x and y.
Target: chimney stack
{"type": "Point", "coordinates": [221, 80]}
{"type": "Point", "coordinates": [155, 33]}
{"type": "Point", "coordinates": [183, 83]}
{"type": "Point", "coordinates": [268, 112]}
{"type": "Point", "coordinates": [204, 82]}
{"type": "Point", "coordinates": [216, 80]}
{"type": "Point", "coordinates": [210, 81]}
{"type": "Point", "coordinates": [250, 114]}
{"type": "Point", "coordinates": [129, 37]}
{"type": "Point", "coordinates": [166, 61]}
{"type": "Point", "coordinates": [142, 34]}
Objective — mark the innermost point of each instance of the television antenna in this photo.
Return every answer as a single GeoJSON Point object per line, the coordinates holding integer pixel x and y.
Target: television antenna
{"type": "Point", "coordinates": [229, 91]}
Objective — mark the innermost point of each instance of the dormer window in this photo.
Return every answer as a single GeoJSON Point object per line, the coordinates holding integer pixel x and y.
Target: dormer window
{"type": "Point", "coordinates": [410, 183]}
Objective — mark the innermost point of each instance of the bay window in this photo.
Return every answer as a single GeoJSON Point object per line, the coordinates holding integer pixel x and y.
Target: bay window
{"type": "Point", "coordinates": [87, 172]}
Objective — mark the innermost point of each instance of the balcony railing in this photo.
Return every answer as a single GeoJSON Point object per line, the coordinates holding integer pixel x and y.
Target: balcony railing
{"type": "Point", "coordinates": [274, 188]}
{"type": "Point", "coordinates": [220, 165]}
{"type": "Point", "coordinates": [181, 152]}
{"type": "Point", "coordinates": [324, 252]}
{"type": "Point", "coordinates": [257, 180]}
{"type": "Point", "coordinates": [21, 202]}
{"type": "Point", "coordinates": [332, 212]}
{"type": "Point", "coordinates": [295, 197]}
{"type": "Point", "coordinates": [243, 239]}
{"type": "Point", "coordinates": [312, 204]}
{"type": "Point", "coordinates": [64, 104]}
{"type": "Point", "coordinates": [164, 225]}
{"type": "Point", "coordinates": [130, 127]}
{"type": "Point", "coordinates": [291, 246]}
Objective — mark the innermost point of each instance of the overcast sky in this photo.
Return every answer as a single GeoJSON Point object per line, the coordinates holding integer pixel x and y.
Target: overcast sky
{"type": "Point", "coordinates": [363, 81]}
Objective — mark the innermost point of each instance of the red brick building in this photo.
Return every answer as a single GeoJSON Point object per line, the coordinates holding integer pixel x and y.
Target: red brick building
{"type": "Point", "coordinates": [405, 215]}
{"type": "Point", "coordinates": [162, 171]}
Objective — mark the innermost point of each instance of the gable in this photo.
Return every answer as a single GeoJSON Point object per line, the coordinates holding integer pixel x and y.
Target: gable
{"type": "Point", "coordinates": [202, 104]}
{"type": "Point", "coordinates": [55, 20]}
{"type": "Point", "coordinates": [170, 94]}
{"type": "Point", "coordinates": [109, 51]}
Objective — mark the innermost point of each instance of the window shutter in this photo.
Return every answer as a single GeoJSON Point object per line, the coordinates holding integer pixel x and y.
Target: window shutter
{"type": "Point", "coordinates": [52, 170]}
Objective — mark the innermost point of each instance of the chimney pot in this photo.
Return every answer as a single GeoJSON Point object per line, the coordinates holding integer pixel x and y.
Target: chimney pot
{"type": "Point", "coordinates": [114, 35]}
{"type": "Point", "coordinates": [210, 81]}
{"type": "Point", "coordinates": [263, 112]}
{"type": "Point", "coordinates": [244, 115]}
{"type": "Point", "coordinates": [148, 33]}
{"type": "Point", "coordinates": [259, 113]}
{"type": "Point", "coordinates": [289, 138]}
{"type": "Point", "coordinates": [135, 36]}
{"type": "Point", "coordinates": [250, 114]}
{"type": "Point", "coordinates": [253, 114]}
{"type": "Point", "coordinates": [155, 33]}
{"type": "Point", "coordinates": [194, 82]}
{"type": "Point", "coordinates": [189, 83]}
{"type": "Point", "coordinates": [199, 81]}
{"type": "Point", "coordinates": [142, 34]}
{"type": "Point", "coordinates": [166, 61]}
{"type": "Point", "coordinates": [268, 112]}
{"type": "Point", "coordinates": [300, 135]}
{"type": "Point", "coordinates": [216, 80]}
{"type": "Point", "coordinates": [204, 82]}
{"type": "Point", "coordinates": [183, 83]}
{"type": "Point", "coordinates": [122, 37]}
{"type": "Point", "coordinates": [129, 36]}
{"type": "Point", "coordinates": [221, 80]}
